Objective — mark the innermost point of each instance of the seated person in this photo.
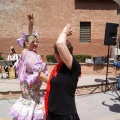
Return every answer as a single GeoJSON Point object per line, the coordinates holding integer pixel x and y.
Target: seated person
{"type": "Point", "coordinates": [13, 57]}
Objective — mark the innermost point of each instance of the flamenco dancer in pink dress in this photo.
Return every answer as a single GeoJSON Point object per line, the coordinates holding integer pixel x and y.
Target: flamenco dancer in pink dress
{"type": "Point", "coordinates": [30, 105]}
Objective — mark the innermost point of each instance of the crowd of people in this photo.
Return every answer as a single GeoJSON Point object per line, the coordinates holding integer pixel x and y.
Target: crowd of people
{"type": "Point", "coordinates": [58, 101]}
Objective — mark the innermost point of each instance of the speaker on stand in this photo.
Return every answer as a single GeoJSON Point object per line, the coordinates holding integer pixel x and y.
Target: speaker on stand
{"type": "Point", "coordinates": [109, 39]}
{"type": "Point", "coordinates": [110, 34]}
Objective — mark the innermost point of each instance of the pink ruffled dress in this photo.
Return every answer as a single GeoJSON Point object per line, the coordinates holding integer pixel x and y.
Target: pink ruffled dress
{"type": "Point", "coordinates": [30, 105]}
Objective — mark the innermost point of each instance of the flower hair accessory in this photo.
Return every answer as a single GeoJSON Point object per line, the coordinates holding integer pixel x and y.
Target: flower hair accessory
{"type": "Point", "coordinates": [35, 34]}
{"type": "Point", "coordinates": [21, 40]}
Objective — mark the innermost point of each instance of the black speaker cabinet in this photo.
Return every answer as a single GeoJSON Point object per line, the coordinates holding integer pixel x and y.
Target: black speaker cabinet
{"type": "Point", "coordinates": [110, 34]}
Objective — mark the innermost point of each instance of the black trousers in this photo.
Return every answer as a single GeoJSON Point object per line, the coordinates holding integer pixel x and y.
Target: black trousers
{"type": "Point", "coordinates": [54, 116]}
{"type": "Point", "coordinates": [6, 69]}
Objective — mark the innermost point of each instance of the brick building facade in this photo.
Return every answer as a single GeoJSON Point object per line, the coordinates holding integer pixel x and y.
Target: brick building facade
{"type": "Point", "coordinates": [50, 18]}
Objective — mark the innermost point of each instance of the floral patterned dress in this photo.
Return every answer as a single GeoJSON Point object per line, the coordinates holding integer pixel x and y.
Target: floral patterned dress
{"type": "Point", "coordinates": [30, 105]}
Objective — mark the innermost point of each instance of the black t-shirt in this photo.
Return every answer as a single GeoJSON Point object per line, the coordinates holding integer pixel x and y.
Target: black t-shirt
{"type": "Point", "coordinates": [62, 90]}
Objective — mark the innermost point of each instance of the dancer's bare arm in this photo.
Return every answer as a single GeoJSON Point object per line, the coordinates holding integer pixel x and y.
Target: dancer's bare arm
{"type": "Point", "coordinates": [43, 77]}
{"type": "Point", "coordinates": [31, 22]}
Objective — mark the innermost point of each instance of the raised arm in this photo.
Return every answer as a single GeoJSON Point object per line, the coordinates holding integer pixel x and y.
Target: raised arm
{"type": "Point", "coordinates": [31, 22]}
{"type": "Point", "coordinates": [62, 47]}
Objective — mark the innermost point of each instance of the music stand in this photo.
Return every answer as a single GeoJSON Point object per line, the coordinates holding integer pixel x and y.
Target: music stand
{"type": "Point", "coordinates": [2, 63]}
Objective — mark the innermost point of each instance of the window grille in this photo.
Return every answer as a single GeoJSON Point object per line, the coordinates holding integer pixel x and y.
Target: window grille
{"type": "Point", "coordinates": [85, 32]}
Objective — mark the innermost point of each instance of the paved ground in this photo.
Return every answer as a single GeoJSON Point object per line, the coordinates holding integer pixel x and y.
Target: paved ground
{"type": "Point", "coordinates": [11, 85]}
{"type": "Point", "coordinates": [99, 106]}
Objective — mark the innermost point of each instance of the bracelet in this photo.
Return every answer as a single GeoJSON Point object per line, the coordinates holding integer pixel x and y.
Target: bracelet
{"type": "Point", "coordinates": [64, 32]}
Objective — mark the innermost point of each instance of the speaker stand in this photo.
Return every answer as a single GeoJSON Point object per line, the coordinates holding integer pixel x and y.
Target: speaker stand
{"type": "Point", "coordinates": [106, 80]}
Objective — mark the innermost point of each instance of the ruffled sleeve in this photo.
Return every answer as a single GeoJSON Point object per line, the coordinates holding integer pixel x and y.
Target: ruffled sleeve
{"type": "Point", "coordinates": [41, 66]}
{"type": "Point", "coordinates": [35, 65]}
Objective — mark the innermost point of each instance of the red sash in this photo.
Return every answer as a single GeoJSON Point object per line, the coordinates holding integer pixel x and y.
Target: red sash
{"type": "Point", "coordinates": [53, 73]}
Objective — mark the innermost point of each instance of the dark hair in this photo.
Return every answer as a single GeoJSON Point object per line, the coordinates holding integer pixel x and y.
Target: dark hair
{"type": "Point", "coordinates": [12, 49]}
{"type": "Point", "coordinates": [69, 46]}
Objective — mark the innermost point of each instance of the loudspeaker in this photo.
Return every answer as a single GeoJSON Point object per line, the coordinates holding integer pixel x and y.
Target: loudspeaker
{"type": "Point", "coordinates": [110, 34]}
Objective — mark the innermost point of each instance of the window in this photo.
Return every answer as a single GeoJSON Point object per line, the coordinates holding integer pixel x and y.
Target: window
{"type": "Point", "coordinates": [85, 32]}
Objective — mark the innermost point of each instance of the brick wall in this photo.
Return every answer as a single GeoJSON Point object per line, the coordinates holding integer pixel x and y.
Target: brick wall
{"type": "Point", "coordinates": [50, 18]}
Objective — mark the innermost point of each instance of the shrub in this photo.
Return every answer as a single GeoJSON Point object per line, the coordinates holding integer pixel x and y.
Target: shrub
{"type": "Point", "coordinates": [80, 58]}
{"type": "Point", "coordinates": [1, 58]}
{"type": "Point", "coordinates": [51, 58]}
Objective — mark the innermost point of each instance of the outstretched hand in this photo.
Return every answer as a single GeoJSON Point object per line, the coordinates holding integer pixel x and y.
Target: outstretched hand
{"type": "Point", "coordinates": [30, 18]}
{"type": "Point", "coordinates": [67, 29]}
